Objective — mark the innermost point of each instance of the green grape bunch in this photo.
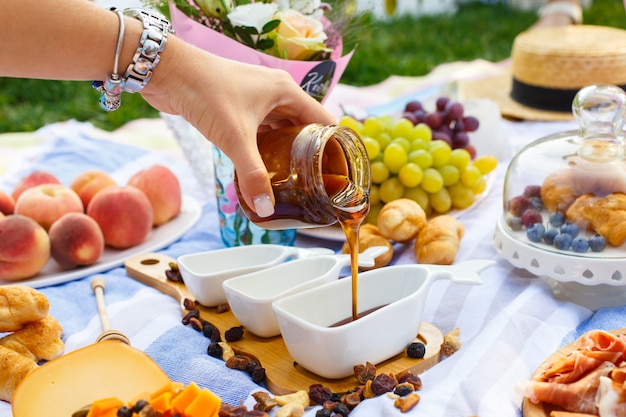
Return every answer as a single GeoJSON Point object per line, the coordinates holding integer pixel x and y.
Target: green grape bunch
{"type": "Point", "coordinates": [426, 157]}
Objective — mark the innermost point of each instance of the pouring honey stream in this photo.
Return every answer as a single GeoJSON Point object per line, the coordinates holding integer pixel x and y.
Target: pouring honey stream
{"type": "Point", "coordinates": [320, 175]}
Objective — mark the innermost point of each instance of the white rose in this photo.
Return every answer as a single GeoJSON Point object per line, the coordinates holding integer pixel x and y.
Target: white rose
{"type": "Point", "coordinates": [298, 37]}
{"type": "Point", "coordinates": [254, 15]}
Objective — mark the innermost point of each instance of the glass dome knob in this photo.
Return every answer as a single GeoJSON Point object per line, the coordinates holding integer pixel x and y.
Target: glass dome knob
{"type": "Point", "coordinates": [599, 111]}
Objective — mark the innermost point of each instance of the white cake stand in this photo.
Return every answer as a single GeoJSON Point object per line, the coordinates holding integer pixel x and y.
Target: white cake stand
{"type": "Point", "coordinates": [592, 280]}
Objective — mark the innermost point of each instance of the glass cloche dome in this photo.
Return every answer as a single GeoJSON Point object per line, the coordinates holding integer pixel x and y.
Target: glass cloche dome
{"type": "Point", "coordinates": [564, 204]}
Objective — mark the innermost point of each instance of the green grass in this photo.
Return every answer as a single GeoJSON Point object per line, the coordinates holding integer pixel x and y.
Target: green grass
{"type": "Point", "coordinates": [402, 46]}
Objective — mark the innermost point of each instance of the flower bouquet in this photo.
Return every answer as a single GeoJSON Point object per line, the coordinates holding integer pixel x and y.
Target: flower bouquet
{"type": "Point", "coordinates": [292, 35]}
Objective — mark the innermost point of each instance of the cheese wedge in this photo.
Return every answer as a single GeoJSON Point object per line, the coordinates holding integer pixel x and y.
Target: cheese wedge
{"type": "Point", "coordinates": [105, 369]}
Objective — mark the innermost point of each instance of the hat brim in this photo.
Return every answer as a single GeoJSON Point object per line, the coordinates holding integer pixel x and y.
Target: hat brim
{"type": "Point", "coordinates": [498, 89]}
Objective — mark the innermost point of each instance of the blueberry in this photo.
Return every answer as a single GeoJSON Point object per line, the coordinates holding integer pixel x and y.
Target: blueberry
{"type": "Point", "coordinates": [597, 243]}
{"type": "Point", "coordinates": [570, 229]}
{"type": "Point", "coordinates": [580, 245]}
{"type": "Point", "coordinates": [536, 232]}
{"type": "Point", "coordinates": [550, 234]}
{"type": "Point", "coordinates": [563, 241]}
{"type": "Point", "coordinates": [556, 219]}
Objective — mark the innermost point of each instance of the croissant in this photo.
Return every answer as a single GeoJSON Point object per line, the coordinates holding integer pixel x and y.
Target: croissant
{"type": "Point", "coordinates": [608, 218]}
{"type": "Point", "coordinates": [13, 368]}
{"type": "Point", "coordinates": [20, 305]}
{"type": "Point", "coordinates": [40, 340]}
{"type": "Point", "coordinates": [438, 241]}
{"type": "Point", "coordinates": [401, 220]}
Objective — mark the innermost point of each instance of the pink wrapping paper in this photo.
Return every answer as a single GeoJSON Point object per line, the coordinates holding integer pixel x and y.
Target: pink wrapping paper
{"type": "Point", "coordinates": [317, 78]}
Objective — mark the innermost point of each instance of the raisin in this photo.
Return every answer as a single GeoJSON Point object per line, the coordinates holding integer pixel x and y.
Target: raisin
{"type": "Point", "coordinates": [363, 373]}
{"type": "Point", "coordinates": [258, 375]}
{"type": "Point", "coordinates": [323, 412]}
{"type": "Point", "coordinates": [416, 350]}
{"type": "Point", "coordinates": [207, 328]}
{"type": "Point", "coordinates": [174, 276]}
{"type": "Point", "coordinates": [233, 334]}
{"type": "Point", "coordinates": [139, 405]}
{"type": "Point", "coordinates": [342, 409]}
{"type": "Point", "coordinates": [124, 411]}
{"type": "Point", "coordinates": [318, 393]}
{"type": "Point", "coordinates": [189, 304]}
{"type": "Point", "coordinates": [409, 378]}
{"type": "Point", "coordinates": [351, 400]}
{"type": "Point", "coordinates": [190, 314]}
{"type": "Point", "coordinates": [222, 308]}
{"type": "Point", "coordinates": [238, 362]}
{"type": "Point", "coordinates": [383, 383]}
{"type": "Point", "coordinates": [215, 350]}
{"type": "Point", "coordinates": [195, 324]}
{"type": "Point", "coordinates": [403, 389]}
{"type": "Point", "coordinates": [256, 371]}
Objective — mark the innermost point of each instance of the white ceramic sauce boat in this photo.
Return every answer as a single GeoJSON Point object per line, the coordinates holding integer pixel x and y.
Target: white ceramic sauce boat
{"type": "Point", "coordinates": [397, 294]}
{"type": "Point", "coordinates": [204, 272]}
{"type": "Point", "coordinates": [250, 296]}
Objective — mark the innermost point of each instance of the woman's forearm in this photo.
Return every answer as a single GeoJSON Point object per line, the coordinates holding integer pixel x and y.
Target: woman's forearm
{"type": "Point", "coordinates": [65, 40]}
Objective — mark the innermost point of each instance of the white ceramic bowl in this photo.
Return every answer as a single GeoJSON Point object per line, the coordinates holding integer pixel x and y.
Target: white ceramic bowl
{"type": "Point", "coordinates": [250, 296]}
{"type": "Point", "coordinates": [204, 272]}
{"type": "Point", "coordinates": [399, 292]}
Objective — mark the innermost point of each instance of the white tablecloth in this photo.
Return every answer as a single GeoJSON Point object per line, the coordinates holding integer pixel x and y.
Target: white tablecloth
{"type": "Point", "coordinates": [508, 325]}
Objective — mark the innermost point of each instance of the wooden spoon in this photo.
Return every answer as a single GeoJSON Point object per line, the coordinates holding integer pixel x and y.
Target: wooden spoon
{"type": "Point", "coordinates": [108, 368]}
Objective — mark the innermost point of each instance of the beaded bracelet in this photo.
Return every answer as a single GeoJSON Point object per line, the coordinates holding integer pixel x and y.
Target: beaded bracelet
{"type": "Point", "coordinates": [146, 57]}
{"type": "Point", "coordinates": [111, 89]}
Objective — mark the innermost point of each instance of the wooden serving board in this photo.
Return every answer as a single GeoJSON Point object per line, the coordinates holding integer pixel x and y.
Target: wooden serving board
{"type": "Point", "coordinates": [282, 375]}
{"type": "Point", "coordinates": [531, 409]}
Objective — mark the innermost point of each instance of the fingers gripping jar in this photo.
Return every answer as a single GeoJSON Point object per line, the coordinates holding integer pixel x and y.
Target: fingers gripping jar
{"type": "Point", "coordinates": [320, 175]}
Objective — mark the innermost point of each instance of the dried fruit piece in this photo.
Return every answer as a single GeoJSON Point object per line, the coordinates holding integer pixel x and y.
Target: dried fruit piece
{"type": "Point", "coordinates": [364, 373]}
{"type": "Point", "coordinates": [383, 383]}
{"type": "Point", "coordinates": [407, 403]}
{"type": "Point", "coordinates": [264, 401]}
{"type": "Point", "coordinates": [234, 334]}
{"type": "Point", "coordinates": [318, 393]}
{"type": "Point", "coordinates": [416, 350]}
{"type": "Point", "coordinates": [452, 337]}
{"type": "Point", "coordinates": [238, 362]}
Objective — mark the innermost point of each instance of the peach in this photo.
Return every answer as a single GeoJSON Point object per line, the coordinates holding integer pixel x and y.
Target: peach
{"type": "Point", "coordinates": [75, 240]}
{"type": "Point", "coordinates": [88, 183]}
{"type": "Point", "coordinates": [124, 215]}
{"type": "Point", "coordinates": [46, 203]}
{"type": "Point", "coordinates": [24, 247]}
{"type": "Point", "coordinates": [31, 180]}
{"type": "Point", "coordinates": [7, 204]}
{"type": "Point", "coordinates": [162, 188]}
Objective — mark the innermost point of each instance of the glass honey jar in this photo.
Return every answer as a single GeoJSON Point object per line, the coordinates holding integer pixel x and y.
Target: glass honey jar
{"type": "Point", "coordinates": [320, 175]}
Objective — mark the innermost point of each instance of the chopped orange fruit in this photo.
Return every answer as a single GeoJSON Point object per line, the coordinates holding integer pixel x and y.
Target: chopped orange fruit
{"type": "Point", "coordinates": [104, 406]}
{"type": "Point", "coordinates": [184, 398]}
{"type": "Point", "coordinates": [204, 404]}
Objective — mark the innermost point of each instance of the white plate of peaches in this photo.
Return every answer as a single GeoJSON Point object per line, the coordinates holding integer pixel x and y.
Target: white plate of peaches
{"type": "Point", "coordinates": [57, 233]}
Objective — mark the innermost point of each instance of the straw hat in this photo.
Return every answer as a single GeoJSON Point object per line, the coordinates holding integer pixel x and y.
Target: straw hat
{"type": "Point", "coordinates": [549, 66]}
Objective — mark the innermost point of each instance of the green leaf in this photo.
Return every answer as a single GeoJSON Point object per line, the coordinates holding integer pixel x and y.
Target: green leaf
{"type": "Point", "coordinates": [244, 36]}
{"type": "Point", "coordinates": [264, 44]}
{"type": "Point", "coordinates": [270, 26]}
